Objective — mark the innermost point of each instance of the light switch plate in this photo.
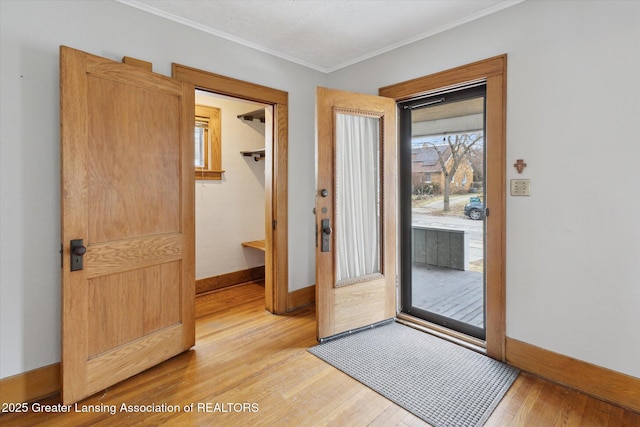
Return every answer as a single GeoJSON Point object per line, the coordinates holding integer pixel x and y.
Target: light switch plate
{"type": "Point", "coordinates": [520, 187]}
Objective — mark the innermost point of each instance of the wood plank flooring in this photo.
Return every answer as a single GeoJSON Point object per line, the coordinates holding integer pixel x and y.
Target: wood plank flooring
{"type": "Point", "coordinates": [250, 368]}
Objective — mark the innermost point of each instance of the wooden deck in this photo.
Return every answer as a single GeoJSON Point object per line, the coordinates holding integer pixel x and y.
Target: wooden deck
{"type": "Point", "coordinates": [452, 293]}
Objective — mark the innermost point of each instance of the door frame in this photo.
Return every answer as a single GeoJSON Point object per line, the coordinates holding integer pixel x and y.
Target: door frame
{"type": "Point", "coordinates": [492, 71]}
{"type": "Point", "coordinates": [276, 174]}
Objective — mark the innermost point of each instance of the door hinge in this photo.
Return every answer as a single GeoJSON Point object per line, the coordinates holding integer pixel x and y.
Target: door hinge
{"type": "Point", "coordinates": [274, 224]}
{"type": "Point", "coordinates": [486, 212]}
{"type": "Point", "coordinates": [61, 259]}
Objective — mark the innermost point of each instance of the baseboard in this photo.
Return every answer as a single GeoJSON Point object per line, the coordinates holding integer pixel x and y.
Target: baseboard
{"type": "Point", "coordinates": [301, 297]}
{"type": "Point", "coordinates": [602, 383]}
{"type": "Point", "coordinates": [209, 284]}
{"type": "Point", "coordinates": [30, 385]}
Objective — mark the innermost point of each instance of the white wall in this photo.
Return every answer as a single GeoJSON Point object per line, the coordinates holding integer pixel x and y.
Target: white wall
{"type": "Point", "coordinates": [30, 34]}
{"type": "Point", "coordinates": [573, 102]}
{"type": "Point", "coordinates": [231, 211]}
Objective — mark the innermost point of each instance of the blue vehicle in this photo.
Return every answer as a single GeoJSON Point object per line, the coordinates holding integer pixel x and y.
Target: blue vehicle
{"type": "Point", "coordinates": [474, 209]}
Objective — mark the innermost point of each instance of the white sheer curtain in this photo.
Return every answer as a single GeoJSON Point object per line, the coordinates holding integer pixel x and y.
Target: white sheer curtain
{"type": "Point", "coordinates": [357, 196]}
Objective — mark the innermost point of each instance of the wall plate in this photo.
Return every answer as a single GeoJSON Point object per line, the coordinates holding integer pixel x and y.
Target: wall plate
{"type": "Point", "coordinates": [520, 187]}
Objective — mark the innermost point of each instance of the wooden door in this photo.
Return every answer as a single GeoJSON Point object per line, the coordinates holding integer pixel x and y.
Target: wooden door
{"type": "Point", "coordinates": [350, 296]}
{"type": "Point", "coordinates": [128, 194]}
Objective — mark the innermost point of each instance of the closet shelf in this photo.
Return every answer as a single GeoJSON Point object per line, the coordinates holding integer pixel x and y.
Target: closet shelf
{"type": "Point", "coordinates": [256, 154]}
{"type": "Point", "coordinates": [253, 115]}
{"type": "Point", "coordinates": [256, 244]}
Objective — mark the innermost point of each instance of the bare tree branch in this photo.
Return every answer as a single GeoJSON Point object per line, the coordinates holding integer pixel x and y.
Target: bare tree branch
{"type": "Point", "coordinates": [460, 148]}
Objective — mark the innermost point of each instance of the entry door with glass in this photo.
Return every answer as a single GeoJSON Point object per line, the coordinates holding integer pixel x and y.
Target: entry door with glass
{"type": "Point", "coordinates": [442, 193]}
{"type": "Point", "coordinates": [355, 211]}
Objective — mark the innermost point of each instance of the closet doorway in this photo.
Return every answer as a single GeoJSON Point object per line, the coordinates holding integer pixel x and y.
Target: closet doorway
{"type": "Point", "coordinates": [275, 173]}
{"type": "Point", "coordinates": [230, 139]}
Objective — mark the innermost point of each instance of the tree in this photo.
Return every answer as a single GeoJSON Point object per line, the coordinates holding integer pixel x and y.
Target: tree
{"type": "Point", "coordinates": [476, 159]}
{"type": "Point", "coordinates": [460, 146]}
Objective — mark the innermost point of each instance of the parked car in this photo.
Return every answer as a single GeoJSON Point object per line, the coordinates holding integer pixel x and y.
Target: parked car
{"type": "Point", "coordinates": [475, 208]}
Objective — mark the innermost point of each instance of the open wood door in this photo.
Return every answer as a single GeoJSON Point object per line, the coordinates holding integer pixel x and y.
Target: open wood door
{"type": "Point", "coordinates": [355, 211]}
{"type": "Point", "coordinates": [128, 288]}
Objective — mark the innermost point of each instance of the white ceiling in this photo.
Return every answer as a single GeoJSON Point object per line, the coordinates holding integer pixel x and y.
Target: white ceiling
{"type": "Point", "coordinates": [325, 35]}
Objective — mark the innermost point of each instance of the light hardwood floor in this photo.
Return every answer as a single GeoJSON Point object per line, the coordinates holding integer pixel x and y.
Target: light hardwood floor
{"type": "Point", "coordinates": [255, 366]}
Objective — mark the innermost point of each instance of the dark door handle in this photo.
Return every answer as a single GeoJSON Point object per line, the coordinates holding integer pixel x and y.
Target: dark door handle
{"type": "Point", "coordinates": [77, 251]}
{"type": "Point", "coordinates": [325, 244]}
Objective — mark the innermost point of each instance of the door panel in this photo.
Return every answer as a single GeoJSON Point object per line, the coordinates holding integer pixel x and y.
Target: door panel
{"type": "Point", "coordinates": [355, 211]}
{"type": "Point", "coordinates": [119, 210]}
{"type": "Point", "coordinates": [116, 315]}
{"type": "Point", "coordinates": [127, 192]}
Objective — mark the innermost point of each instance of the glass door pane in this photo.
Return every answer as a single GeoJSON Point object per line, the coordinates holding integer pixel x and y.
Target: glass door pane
{"type": "Point", "coordinates": [442, 210]}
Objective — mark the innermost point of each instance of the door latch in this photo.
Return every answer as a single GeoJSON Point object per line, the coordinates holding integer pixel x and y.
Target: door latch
{"type": "Point", "coordinates": [77, 252]}
{"type": "Point", "coordinates": [326, 235]}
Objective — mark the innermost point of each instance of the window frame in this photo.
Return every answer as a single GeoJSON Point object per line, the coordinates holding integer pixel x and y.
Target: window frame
{"type": "Point", "coordinates": [212, 151]}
